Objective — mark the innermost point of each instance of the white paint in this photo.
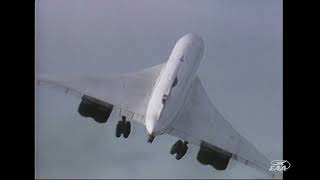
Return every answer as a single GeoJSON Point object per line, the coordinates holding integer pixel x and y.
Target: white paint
{"type": "Point", "coordinates": [182, 63]}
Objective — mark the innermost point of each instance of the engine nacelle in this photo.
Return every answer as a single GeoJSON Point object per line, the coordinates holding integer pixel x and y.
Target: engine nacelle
{"type": "Point", "coordinates": [217, 158]}
{"type": "Point", "coordinates": [94, 108]}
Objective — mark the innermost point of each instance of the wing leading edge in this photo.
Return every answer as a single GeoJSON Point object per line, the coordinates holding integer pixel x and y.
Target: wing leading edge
{"type": "Point", "coordinates": [203, 125]}
{"type": "Point", "coordinates": [128, 92]}
{"type": "Point", "coordinates": [199, 124]}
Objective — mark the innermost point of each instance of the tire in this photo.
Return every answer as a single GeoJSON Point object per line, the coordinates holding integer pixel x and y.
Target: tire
{"type": "Point", "coordinates": [182, 151]}
{"type": "Point", "coordinates": [128, 125]}
{"type": "Point", "coordinates": [172, 152]}
{"type": "Point", "coordinates": [179, 156]}
{"type": "Point", "coordinates": [127, 129]}
{"type": "Point", "coordinates": [176, 147]}
{"type": "Point", "coordinates": [119, 129]}
{"type": "Point", "coordinates": [185, 149]}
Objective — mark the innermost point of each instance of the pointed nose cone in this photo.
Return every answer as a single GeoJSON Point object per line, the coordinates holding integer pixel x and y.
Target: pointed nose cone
{"type": "Point", "coordinates": [150, 127]}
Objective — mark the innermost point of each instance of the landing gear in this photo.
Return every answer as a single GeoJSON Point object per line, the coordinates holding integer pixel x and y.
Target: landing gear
{"type": "Point", "coordinates": [123, 127]}
{"type": "Point", "coordinates": [179, 148]}
{"type": "Point", "coordinates": [150, 138]}
{"type": "Point", "coordinates": [119, 129]}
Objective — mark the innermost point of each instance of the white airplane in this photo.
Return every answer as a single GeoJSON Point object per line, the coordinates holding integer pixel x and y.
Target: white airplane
{"type": "Point", "coordinates": [167, 99]}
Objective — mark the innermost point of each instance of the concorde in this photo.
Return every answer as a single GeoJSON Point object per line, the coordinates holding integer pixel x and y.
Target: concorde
{"type": "Point", "coordinates": [168, 98]}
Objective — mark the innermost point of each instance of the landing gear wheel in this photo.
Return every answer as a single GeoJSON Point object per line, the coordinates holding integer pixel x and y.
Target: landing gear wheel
{"type": "Point", "coordinates": [179, 148]}
{"type": "Point", "coordinates": [179, 156]}
{"type": "Point", "coordinates": [127, 129]}
{"type": "Point", "coordinates": [182, 152]}
{"type": "Point", "coordinates": [119, 128]}
{"type": "Point", "coordinates": [176, 147]}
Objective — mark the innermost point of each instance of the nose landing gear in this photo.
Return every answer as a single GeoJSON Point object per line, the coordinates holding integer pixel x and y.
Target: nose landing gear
{"type": "Point", "coordinates": [150, 138]}
{"type": "Point", "coordinates": [179, 148]}
{"type": "Point", "coordinates": [123, 127]}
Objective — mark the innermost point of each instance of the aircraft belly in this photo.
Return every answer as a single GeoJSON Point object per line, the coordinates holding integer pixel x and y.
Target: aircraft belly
{"type": "Point", "coordinates": [178, 101]}
{"type": "Point", "coordinates": [167, 101]}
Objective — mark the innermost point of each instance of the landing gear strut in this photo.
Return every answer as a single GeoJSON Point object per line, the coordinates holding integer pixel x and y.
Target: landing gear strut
{"type": "Point", "coordinates": [150, 138]}
{"type": "Point", "coordinates": [179, 148]}
{"type": "Point", "coordinates": [123, 127]}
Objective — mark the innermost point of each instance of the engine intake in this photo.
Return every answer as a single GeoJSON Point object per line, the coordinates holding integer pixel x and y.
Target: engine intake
{"type": "Point", "coordinates": [215, 157]}
{"type": "Point", "coordinates": [94, 108]}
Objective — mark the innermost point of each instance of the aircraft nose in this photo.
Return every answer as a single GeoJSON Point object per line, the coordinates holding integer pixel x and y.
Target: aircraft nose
{"type": "Point", "coordinates": [150, 127]}
{"type": "Point", "coordinates": [151, 123]}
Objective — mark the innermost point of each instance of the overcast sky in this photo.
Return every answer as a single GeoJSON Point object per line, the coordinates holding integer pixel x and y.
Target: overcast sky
{"type": "Point", "coordinates": [241, 71]}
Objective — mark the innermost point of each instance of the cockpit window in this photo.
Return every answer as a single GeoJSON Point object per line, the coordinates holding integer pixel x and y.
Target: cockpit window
{"type": "Point", "coordinates": [175, 82]}
{"type": "Point", "coordinates": [164, 98]}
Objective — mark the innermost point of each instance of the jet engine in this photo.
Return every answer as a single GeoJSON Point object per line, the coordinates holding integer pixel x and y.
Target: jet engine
{"type": "Point", "coordinates": [94, 108]}
{"type": "Point", "coordinates": [217, 158]}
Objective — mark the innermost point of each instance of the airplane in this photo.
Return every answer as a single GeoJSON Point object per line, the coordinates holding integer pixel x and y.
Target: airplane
{"type": "Point", "coordinates": [167, 98]}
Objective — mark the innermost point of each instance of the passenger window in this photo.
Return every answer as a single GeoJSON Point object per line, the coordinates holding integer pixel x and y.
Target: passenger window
{"type": "Point", "coordinates": [175, 82]}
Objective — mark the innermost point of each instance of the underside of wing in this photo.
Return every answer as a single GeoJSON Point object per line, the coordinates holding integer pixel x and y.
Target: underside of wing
{"type": "Point", "coordinates": [129, 92]}
{"type": "Point", "coordinates": [203, 125]}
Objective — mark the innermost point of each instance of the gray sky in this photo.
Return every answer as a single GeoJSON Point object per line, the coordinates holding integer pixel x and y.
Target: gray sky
{"type": "Point", "coordinates": [241, 71]}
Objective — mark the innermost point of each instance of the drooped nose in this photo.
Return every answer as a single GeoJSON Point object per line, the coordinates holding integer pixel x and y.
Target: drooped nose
{"type": "Point", "coordinates": [151, 121]}
{"type": "Point", "coordinates": [150, 126]}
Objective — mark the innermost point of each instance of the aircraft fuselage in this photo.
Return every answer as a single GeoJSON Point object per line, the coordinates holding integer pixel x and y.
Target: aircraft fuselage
{"type": "Point", "coordinates": [174, 84]}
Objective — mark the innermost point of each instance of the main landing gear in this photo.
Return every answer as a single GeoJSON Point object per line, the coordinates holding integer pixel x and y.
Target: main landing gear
{"type": "Point", "coordinates": [123, 127]}
{"type": "Point", "coordinates": [180, 149]}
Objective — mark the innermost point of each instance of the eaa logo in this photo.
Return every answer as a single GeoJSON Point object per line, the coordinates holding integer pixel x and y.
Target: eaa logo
{"type": "Point", "coordinates": [279, 165]}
